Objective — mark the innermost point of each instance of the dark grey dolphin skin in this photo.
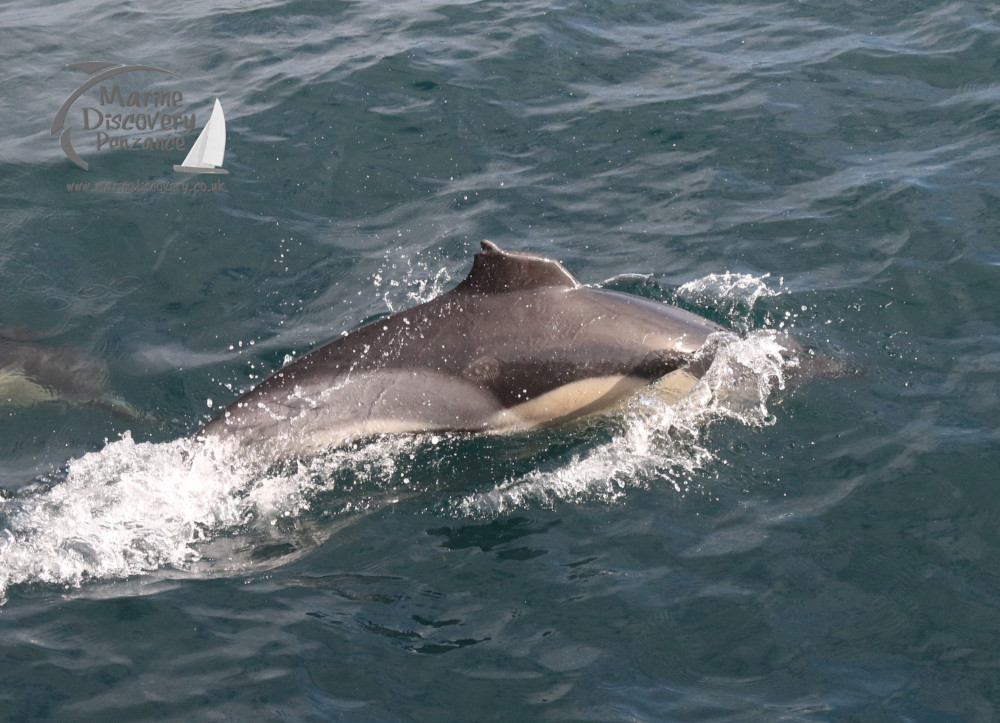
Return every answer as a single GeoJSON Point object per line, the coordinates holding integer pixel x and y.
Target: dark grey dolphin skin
{"type": "Point", "coordinates": [519, 343]}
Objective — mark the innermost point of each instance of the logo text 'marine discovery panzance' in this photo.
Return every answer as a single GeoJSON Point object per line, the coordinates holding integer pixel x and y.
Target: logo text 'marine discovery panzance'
{"type": "Point", "coordinates": [119, 116]}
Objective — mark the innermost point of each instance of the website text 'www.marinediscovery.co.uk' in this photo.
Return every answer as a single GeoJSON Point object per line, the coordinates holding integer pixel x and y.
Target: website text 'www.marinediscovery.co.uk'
{"type": "Point", "coordinates": [147, 187]}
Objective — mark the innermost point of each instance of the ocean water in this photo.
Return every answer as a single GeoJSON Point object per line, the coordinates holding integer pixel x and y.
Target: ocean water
{"type": "Point", "coordinates": [794, 541]}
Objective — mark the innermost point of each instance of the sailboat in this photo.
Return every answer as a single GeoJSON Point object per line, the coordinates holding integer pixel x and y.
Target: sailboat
{"type": "Point", "coordinates": [206, 154]}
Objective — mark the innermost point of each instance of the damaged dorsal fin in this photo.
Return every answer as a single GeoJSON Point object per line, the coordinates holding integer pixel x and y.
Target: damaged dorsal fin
{"type": "Point", "coordinates": [496, 271]}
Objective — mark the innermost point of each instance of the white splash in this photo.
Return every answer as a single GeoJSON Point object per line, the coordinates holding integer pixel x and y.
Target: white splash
{"type": "Point", "coordinates": [127, 509]}
{"type": "Point", "coordinates": [658, 443]}
{"type": "Point", "coordinates": [183, 506]}
{"type": "Point", "coordinates": [732, 295]}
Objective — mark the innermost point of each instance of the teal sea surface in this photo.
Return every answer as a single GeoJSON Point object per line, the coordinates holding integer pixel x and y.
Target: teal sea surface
{"type": "Point", "coordinates": [813, 538]}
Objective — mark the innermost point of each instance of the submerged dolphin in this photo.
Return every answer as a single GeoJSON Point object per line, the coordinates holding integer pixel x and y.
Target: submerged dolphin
{"type": "Point", "coordinates": [518, 344]}
{"type": "Point", "coordinates": [32, 372]}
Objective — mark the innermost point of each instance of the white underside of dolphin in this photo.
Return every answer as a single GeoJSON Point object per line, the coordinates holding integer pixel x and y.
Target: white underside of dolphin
{"type": "Point", "coordinates": [518, 344]}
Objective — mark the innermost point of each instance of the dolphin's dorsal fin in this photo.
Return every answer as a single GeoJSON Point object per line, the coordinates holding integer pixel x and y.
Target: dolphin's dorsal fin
{"type": "Point", "coordinates": [496, 271]}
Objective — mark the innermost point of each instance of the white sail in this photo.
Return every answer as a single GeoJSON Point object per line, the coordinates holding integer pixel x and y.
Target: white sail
{"type": "Point", "coordinates": [208, 150]}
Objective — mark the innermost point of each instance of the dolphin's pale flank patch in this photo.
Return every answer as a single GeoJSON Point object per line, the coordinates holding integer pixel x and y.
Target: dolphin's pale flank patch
{"type": "Point", "coordinates": [519, 343]}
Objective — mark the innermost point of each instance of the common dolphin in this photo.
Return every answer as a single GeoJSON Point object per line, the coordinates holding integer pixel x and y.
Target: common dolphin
{"type": "Point", "coordinates": [33, 372]}
{"type": "Point", "coordinates": [518, 344]}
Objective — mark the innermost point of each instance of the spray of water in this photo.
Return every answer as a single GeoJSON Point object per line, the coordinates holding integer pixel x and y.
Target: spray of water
{"type": "Point", "coordinates": [734, 296]}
